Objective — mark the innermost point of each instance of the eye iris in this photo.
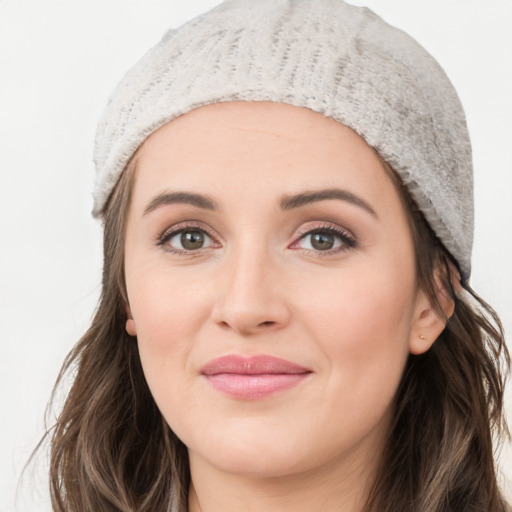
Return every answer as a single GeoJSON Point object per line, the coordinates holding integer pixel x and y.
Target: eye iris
{"type": "Point", "coordinates": [192, 239]}
{"type": "Point", "coordinates": [322, 241]}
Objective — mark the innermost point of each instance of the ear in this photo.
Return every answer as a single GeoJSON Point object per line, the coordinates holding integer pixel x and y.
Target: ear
{"type": "Point", "coordinates": [455, 278]}
{"type": "Point", "coordinates": [131, 329]}
{"type": "Point", "coordinates": [428, 324]}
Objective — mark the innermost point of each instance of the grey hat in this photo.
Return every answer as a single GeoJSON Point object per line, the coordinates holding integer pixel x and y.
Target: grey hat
{"type": "Point", "coordinates": [342, 61]}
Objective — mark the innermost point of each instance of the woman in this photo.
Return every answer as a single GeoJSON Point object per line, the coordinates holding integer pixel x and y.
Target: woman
{"type": "Point", "coordinates": [286, 320]}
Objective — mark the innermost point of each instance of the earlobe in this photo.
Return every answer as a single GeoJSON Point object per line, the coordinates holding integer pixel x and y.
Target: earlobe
{"type": "Point", "coordinates": [421, 343]}
{"type": "Point", "coordinates": [131, 329]}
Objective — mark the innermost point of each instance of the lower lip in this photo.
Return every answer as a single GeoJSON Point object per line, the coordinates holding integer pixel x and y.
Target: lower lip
{"type": "Point", "coordinates": [254, 387]}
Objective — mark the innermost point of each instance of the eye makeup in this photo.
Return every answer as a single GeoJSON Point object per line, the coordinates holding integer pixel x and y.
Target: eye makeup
{"type": "Point", "coordinates": [324, 239]}
{"type": "Point", "coordinates": [191, 235]}
{"type": "Point", "coordinates": [320, 239]}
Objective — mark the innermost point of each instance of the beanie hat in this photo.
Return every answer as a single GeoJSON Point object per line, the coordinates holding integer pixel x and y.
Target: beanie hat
{"type": "Point", "coordinates": [336, 59]}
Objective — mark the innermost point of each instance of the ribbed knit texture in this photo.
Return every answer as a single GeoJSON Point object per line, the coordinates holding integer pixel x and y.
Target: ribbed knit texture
{"type": "Point", "coordinates": [342, 61]}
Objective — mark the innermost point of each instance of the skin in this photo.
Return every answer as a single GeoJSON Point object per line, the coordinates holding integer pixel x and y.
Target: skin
{"type": "Point", "coordinates": [259, 285]}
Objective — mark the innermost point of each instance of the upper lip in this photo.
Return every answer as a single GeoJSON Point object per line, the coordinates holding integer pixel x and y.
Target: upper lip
{"type": "Point", "coordinates": [253, 365]}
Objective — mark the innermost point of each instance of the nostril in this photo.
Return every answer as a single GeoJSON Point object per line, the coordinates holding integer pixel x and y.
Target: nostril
{"type": "Point", "coordinates": [267, 323]}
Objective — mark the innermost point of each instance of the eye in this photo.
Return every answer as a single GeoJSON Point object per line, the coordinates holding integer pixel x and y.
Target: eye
{"type": "Point", "coordinates": [190, 240]}
{"type": "Point", "coordinates": [326, 240]}
{"type": "Point", "coordinates": [186, 239]}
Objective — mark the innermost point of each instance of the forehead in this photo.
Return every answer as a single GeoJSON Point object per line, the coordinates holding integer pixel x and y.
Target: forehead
{"type": "Point", "coordinates": [257, 149]}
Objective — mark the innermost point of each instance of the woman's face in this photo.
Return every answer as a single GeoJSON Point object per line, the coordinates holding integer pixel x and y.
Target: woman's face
{"type": "Point", "coordinates": [271, 279]}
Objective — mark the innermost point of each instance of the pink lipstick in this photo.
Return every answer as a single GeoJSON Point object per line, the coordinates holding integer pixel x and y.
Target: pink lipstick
{"type": "Point", "coordinates": [252, 378]}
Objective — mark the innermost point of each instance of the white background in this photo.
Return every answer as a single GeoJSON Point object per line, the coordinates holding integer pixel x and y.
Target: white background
{"type": "Point", "coordinates": [59, 60]}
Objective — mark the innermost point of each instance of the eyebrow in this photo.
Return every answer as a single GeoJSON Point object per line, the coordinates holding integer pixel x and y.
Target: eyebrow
{"type": "Point", "coordinates": [308, 197]}
{"type": "Point", "coordinates": [166, 198]}
{"type": "Point", "coordinates": [287, 202]}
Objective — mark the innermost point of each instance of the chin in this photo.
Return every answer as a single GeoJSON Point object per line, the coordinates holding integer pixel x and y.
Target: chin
{"type": "Point", "coordinates": [252, 450]}
{"type": "Point", "coordinates": [264, 464]}
{"type": "Point", "coordinates": [262, 452]}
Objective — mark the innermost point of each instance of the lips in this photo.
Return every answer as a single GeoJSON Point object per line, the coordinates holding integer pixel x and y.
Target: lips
{"type": "Point", "coordinates": [254, 377]}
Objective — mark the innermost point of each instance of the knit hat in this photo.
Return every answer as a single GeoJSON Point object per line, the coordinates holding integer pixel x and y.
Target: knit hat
{"type": "Point", "coordinates": [342, 61]}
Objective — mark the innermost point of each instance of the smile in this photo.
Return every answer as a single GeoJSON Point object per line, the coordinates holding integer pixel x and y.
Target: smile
{"type": "Point", "coordinates": [253, 378]}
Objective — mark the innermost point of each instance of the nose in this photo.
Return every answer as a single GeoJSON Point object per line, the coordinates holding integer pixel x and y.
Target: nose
{"type": "Point", "coordinates": [250, 298]}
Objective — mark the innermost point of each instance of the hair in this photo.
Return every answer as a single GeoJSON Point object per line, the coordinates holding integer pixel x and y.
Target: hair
{"type": "Point", "coordinates": [449, 405]}
{"type": "Point", "coordinates": [111, 449]}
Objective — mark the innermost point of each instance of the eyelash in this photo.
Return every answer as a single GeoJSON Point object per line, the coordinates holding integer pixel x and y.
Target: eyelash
{"type": "Point", "coordinates": [348, 241]}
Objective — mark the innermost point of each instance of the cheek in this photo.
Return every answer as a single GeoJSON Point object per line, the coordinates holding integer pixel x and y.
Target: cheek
{"type": "Point", "coordinates": [362, 326]}
{"type": "Point", "coordinates": [164, 305]}
{"type": "Point", "coordinates": [167, 321]}
{"type": "Point", "coordinates": [362, 333]}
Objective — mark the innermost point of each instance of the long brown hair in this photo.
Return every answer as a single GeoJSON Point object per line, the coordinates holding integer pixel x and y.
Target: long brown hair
{"type": "Point", "coordinates": [449, 406]}
{"type": "Point", "coordinates": [111, 449]}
